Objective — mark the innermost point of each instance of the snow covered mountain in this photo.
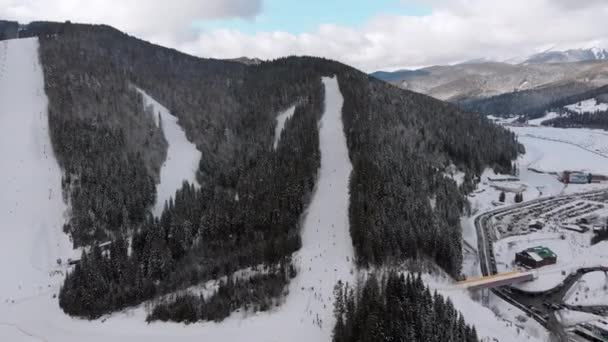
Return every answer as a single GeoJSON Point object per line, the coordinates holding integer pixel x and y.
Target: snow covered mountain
{"type": "Point", "coordinates": [572, 55]}
{"type": "Point", "coordinates": [145, 184]}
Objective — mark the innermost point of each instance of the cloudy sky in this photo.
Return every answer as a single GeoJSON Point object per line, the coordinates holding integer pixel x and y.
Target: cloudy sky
{"type": "Point", "coordinates": [368, 34]}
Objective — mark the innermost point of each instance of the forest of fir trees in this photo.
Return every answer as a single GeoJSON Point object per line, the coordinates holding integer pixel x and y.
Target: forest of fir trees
{"type": "Point", "coordinates": [399, 143]}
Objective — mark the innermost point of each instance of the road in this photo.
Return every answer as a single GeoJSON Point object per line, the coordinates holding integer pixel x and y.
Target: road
{"type": "Point", "coordinates": [538, 305]}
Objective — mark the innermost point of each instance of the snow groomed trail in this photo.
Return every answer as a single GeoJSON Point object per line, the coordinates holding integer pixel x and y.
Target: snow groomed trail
{"type": "Point", "coordinates": [182, 159]}
{"type": "Point", "coordinates": [327, 252]}
{"type": "Point", "coordinates": [326, 256]}
{"type": "Point", "coordinates": [31, 204]}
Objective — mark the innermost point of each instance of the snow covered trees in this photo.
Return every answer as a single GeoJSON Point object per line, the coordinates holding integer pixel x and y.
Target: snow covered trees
{"type": "Point", "coordinates": [397, 308]}
{"type": "Point", "coordinates": [249, 206]}
{"type": "Point", "coordinates": [502, 197]}
{"type": "Point", "coordinates": [400, 143]}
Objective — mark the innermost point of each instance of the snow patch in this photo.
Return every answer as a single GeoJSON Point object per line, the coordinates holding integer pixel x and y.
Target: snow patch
{"type": "Point", "coordinates": [548, 116]}
{"type": "Point", "coordinates": [588, 106]}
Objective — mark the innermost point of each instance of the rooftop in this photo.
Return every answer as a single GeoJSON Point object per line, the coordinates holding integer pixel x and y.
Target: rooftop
{"type": "Point", "coordinates": [541, 251]}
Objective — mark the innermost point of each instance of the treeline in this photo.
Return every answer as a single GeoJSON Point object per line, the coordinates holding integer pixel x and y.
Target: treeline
{"type": "Point", "coordinates": [400, 144]}
{"type": "Point", "coordinates": [535, 103]}
{"type": "Point", "coordinates": [110, 279]}
{"type": "Point", "coordinates": [532, 103]}
{"type": "Point", "coordinates": [8, 29]}
{"type": "Point", "coordinates": [598, 120]}
{"type": "Point", "coordinates": [259, 292]}
{"type": "Point", "coordinates": [397, 308]}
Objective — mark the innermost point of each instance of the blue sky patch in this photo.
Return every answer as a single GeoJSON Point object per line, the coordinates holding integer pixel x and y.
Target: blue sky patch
{"type": "Point", "coordinates": [298, 16]}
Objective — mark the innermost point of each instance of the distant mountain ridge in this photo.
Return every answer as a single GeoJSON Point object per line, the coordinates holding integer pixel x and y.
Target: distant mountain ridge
{"type": "Point", "coordinates": [547, 72]}
{"type": "Point", "coordinates": [391, 76]}
{"type": "Point", "coordinates": [572, 55]}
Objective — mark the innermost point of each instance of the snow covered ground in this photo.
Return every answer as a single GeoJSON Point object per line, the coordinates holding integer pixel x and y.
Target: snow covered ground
{"type": "Point", "coordinates": [498, 322]}
{"type": "Point", "coordinates": [281, 119]}
{"type": "Point", "coordinates": [571, 317]}
{"type": "Point", "coordinates": [307, 314]}
{"type": "Point", "coordinates": [550, 150]}
{"type": "Point", "coordinates": [546, 117]}
{"type": "Point", "coordinates": [182, 159]}
{"type": "Point", "coordinates": [558, 149]}
{"type": "Point", "coordinates": [549, 276]}
{"type": "Point", "coordinates": [588, 106]}
{"type": "Point", "coordinates": [31, 199]}
{"type": "Point", "coordinates": [547, 150]}
{"type": "Point", "coordinates": [591, 289]}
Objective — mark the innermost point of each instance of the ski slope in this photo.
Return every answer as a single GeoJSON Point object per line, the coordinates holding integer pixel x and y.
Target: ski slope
{"type": "Point", "coordinates": [281, 119]}
{"type": "Point", "coordinates": [31, 204]}
{"type": "Point", "coordinates": [182, 159]}
{"type": "Point", "coordinates": [307, 313]}
{"type": "Point", "coordinates": [30, 178]}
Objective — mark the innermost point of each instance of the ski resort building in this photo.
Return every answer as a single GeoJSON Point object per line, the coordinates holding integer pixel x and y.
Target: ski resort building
{"type": "Point", "coordinates": [536, 257]}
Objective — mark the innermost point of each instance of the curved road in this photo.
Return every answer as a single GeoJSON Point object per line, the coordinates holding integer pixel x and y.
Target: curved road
{"type": "Point", "coordinates": [524, 302]}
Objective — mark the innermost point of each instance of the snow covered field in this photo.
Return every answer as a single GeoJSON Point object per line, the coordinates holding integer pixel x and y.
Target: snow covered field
{"type": "Point", "coordinates": [591, 289]}
{"type": "Point", "coordinates": [182, 159]}
{"type": "Point", "coordinates": [588, 106]}
{"type": "Point", "coordinates": [558, 149]}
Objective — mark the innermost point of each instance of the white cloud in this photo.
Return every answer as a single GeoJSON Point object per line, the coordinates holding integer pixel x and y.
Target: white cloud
{"type": "Point", "coordinates": [162, 21]}
{"type": "Point", "coordinates": [456, 30]}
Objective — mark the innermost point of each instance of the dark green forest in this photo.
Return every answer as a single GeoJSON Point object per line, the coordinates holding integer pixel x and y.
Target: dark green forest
{"type": "Point", "coordinates": [400, 144]}
{"type": "Point", "coordinates": [397, 308]}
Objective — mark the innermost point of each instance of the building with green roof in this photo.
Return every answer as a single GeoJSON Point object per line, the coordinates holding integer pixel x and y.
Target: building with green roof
{"type": "Point", "coordinates": [536, 257]}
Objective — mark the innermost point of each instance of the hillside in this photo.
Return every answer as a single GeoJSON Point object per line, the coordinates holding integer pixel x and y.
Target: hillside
{"type": "Point", "coordinates": [478, 81]}
{"type": "Point", "coordinates": [364, 158]}
{"type": "Point", "coordinates": [535, 103]}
